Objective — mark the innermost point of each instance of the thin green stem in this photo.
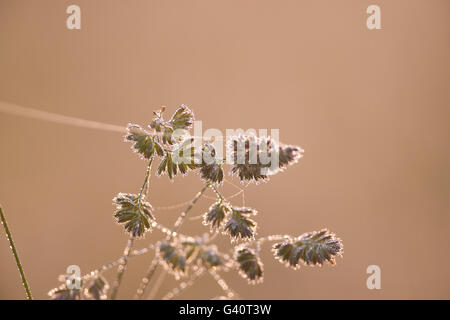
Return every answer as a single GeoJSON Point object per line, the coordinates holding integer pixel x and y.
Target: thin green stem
{"type": "Point", "coordinates": [16, 255]}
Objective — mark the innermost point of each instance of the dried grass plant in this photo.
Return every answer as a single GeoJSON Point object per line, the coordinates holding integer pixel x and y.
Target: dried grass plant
{"type": "Point", "coordinates": [189, 257]}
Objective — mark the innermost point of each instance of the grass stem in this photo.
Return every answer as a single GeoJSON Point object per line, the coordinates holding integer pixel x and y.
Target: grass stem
{"type": "Point", "coordinates": [154, 265]}
{"type": "Point", "coordinates": [16, 255]}
{"type": "Point", "coordinates": [121, 269]}
{"type": "Point", "coordinates": [126, 253]}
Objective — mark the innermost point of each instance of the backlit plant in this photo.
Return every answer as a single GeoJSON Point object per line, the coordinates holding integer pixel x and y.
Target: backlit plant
{"type": "Point", "coordinates": [169, 145]}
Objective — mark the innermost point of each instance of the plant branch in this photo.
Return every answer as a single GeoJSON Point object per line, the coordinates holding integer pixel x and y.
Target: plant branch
{"type": "Point", "coordinates": [16, 255]}
{"type": "Point", "coordinates": [144, 187]}
{"type": "Point", "coordinates": [126, 253]}
{"type": "Point", "coordinates": [217, 192]}
{"type": "Point", "coordinates": [157, 285]}
{"type": "Point", "coordinates": [260, 241]}
{"type": "Point", "coordinates": [122, 267]}
{"type": "Point", "coordinates": [183, 214]}
{"type": "Point", "coordinates": [184, 285]}
{"type": "Point", "coordinates": [148, 276]}
{"type": "Point", "coordinates": [155, 263]}
{"type": "Point", "coordinates": [223, 285]}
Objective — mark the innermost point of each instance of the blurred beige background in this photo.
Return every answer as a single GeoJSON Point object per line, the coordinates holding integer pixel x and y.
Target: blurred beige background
{"type": "Point", "coordinates": [370, 108]}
